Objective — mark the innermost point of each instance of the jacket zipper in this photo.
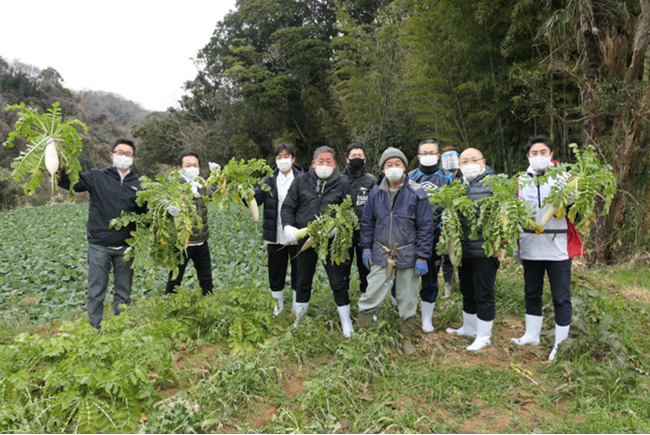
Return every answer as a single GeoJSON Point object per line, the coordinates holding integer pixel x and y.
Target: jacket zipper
{"type": "Point", "coordinates": [119, 200]}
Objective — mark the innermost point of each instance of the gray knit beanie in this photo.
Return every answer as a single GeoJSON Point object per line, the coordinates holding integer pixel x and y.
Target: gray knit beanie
{"type": "Point", "coordinates": [389, 154]}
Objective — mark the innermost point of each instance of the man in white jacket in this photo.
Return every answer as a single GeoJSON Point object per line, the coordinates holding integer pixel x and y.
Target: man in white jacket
{"type": "Point", "coordinates": [549, 252]}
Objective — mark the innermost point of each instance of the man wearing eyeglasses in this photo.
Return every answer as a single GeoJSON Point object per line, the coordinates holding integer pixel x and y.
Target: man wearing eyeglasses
{"type": "Point", "coordinates": [430, 176]}
{"type": "Point", "coordinates": [112, 191]}
{"type": "Point", "coordinates": [478, 273]}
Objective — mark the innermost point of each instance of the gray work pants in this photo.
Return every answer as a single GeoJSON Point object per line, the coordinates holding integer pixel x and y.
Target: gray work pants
{"type": "Point", "coordinates": [407, 286]}
{"type": "Point", "coordinates": [100, 261]}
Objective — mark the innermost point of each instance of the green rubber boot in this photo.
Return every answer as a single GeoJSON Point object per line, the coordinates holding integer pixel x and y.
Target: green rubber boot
{"type": "Point", "coordinates": [364, 320]}
{"type": "Point", "coordinates": [406, 329]}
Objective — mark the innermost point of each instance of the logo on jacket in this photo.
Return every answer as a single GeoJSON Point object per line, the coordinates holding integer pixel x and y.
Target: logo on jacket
{"type": "Point", "coordinates": [134, 188]}
{"type": "Point", "coordinates": [428, 185]}
{"type": "Point", "coordinates": [362, 196]}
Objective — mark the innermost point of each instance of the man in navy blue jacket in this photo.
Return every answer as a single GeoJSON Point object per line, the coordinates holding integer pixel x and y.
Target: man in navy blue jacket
{"type": "Point", "coordinates": [397, 238]}
{"type": "Point", "coordinates": [430, 176]}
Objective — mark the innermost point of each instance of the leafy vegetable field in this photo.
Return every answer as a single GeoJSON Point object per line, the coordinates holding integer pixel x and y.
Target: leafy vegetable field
{"type": "Point", "coordinates": [223, 363]}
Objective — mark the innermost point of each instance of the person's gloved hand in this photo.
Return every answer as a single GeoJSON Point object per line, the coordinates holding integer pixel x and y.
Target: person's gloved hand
{"type": "Point", "coordinates": [290, 234]}
{"type": "Point", "coordinates": [214, 166]}
{"type": "Point", "coordinates": [421, 267]}
{"type": "Point", "coordinates": [173, 210]}
{"type": "Point", "coordinates": [366, 258]}
{"type": "Point", "coordinates": [332, 233]}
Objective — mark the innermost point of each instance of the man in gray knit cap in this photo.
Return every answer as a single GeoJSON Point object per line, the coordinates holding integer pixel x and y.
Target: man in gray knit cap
{"type": "Point", "coordinates": [397, 240]}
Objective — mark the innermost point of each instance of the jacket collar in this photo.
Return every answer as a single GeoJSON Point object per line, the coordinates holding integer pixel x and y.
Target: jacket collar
{"type": "Point", "coordinates": [314, 178]}
{"type": "Point", "coordinates": [355, 172]}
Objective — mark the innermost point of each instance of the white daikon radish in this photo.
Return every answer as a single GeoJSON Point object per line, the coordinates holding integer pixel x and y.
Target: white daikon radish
{"type": "Point", "coordinates": [548, 215]}
{"type": "Point", "coordinates": [51, 157]}
{"type": "Point", "coordinates": [252, 206]}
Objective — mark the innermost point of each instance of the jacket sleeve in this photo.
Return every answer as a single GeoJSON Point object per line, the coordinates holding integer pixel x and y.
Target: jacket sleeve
{"type": "Point", "coordinates": [260, 195]}
{"type": "Point", "coordinates": [290, 204]}
{"type": "Point", "coordinates": [84, 184]}
{"type": "Point", "coordinates": [424, 227]}
{"type": "Point", "coordinates": [367, 232]}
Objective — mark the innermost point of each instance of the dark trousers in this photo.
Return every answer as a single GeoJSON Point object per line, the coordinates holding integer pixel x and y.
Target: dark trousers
{"type": "Point", "coordinates": [477, 277]}
{"type": "Point", "coordinates": [363, 271]}
{"type": "Point", "coordinates": [447, 270]}
{"type": "Point", "coordinates": [559, 277]}
{"type": "Point", "coordinates": [429, 292]}
{"type": "Point", "coordinates": [307, 261]}
{"type": "Point", "coordinates": [279, 258]}
{"type": "Point", "coordinates": [200, 256]}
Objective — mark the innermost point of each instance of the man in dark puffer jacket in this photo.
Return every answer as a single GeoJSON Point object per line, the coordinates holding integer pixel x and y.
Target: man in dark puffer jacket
{"type": "Point", "coordinates": [279, 255]}
{"type": "Point", "coordinates": [308, 197]}
{"type": "Point", "coordinates": [478, 273]}
{"type": "Point", "coordinates": [361, 182]}
{"type": "Point", "coordinates": [197, 249]}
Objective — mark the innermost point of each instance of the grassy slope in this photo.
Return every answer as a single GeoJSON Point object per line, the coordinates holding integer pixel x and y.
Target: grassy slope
{"type": "Point", "coordinates": [310, 379]}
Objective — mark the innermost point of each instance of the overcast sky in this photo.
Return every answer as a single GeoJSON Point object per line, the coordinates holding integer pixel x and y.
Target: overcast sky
{"type": "Point", "coordinates": [139, 49]}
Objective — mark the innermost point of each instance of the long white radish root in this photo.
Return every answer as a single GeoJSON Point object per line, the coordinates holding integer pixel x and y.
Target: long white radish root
{"type": "Point", "coordinates": [452, 252]}
{"type": "Point", "coordinates": [52, 159]}
{"type": "Point", "coordinates": [548, 215]}
{"type": "Point", "coordinates": [307, 245]}
{"type": "Point", "coordinates": [255, 212]}
{"type": "Point", "coordinates": [301, 233]}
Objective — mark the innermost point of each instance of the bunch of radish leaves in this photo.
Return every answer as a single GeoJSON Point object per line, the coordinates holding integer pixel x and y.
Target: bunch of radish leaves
{"type": "Point", "coordinates": [576, 197]}
{"type": "Point", "coordinates": [452, 204]}
{"type": "Point", "coordinates": [50, 144]}
{"type": "Point", "coordinates": [236, 184]}
{"type": "Point", "coordinates": [339, 217]}
{"type": "Point", "coordinates": [160, 239]}
{"type": "Point", "coordinates": [502, 216]}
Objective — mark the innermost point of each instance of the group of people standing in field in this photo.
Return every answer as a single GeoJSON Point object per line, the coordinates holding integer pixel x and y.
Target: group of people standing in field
{"type": "Point", "coordinates": [394, 248]}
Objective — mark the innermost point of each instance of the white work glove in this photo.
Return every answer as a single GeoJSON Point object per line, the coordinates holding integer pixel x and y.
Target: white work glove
{"type": "Point", "coordinates": [332, 233]}
{"type": "Point", "coordinates": [290, 234]}
{"type": "Point", "coordinates": [214, 166]}
{"type": "Point", "coordinates": [173, 210]}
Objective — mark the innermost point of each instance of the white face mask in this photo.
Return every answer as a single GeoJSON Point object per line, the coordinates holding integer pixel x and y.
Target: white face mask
{"type": "Point", "coordinates": [394, 174]}
{"type": "Point", "coordinates": [191, 173]}
{"type": "Point", "coordinates": [122, 162]}
{"type": "Point", "coordinates": [324, 172]}
{"type": "Point", "coordinates": [540, 163]}
{"type": "Point", "coordinates": [471, 170]}
{"type": "Point", "coordinates": [428, 160]}
{"type": "Point", "coordinates": [284, 164]}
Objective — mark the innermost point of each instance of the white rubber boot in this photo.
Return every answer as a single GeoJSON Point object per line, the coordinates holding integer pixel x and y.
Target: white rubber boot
{"type": "Point", "coordinates": [483, 334]}
{"type": "Point", "coordinates": [293, 307]}
{"type": "Point", "coordinates": [346, 323]}
{"type": "Point", "coordinates": [469, 326]}
{"type": "Point", "coordinates": [561, 333]}
{"type": "Point", "coordinates": [533, 329]}
{"type": "Point", "coordinates": [427, 316]}
{"type": "Point", "coordinates": [300, 309]}
{"type": "Point", "coordinates": [393, 301]}
{"type": "Point", "coordinates": [279, 305]}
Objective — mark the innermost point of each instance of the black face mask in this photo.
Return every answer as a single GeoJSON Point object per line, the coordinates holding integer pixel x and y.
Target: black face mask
{"type": "Point", "coordinates": [356, 162]}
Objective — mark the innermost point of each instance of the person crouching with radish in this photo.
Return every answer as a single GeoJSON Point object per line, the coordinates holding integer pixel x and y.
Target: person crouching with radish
{"type": "Point", "coordinates": [112, 191]}
{"type": "Point", "coordinates": [279, 255]}
{"type": "Point", "coordinates": [397, 240]}
{"type": "Point", "coordinates": [308, 197]}
{"type": "Point", "coordinates": [549, 252]}
{"type": "Point", "coordinates": [478, 272]}
{"type": "Point", "coordinates": [197, 249]}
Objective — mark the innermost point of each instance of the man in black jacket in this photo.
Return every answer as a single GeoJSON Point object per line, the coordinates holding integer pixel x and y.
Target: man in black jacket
{"type": "Point", "coordinates": [279, 255]}
{"type": "Point", "coordinates": [112, 191]}
{"type": "Point", "coordinates": [308, 197]}
{"type": "Point", "coordinates": [361, 183]}
{"type": "Point", "coordinates": [478, 273]}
